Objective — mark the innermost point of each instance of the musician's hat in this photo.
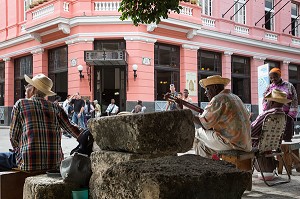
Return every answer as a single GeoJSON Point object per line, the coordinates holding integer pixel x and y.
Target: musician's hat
{"type": "Point", "coordinates": [215, 79]}
{"type": "Point", "coordinates": [277, 96]}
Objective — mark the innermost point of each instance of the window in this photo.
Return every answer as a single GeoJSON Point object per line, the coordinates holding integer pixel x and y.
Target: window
{"type": "Point", "coordinates": [58, 71]}
{"type": "Point", "coordinates": [2, 82]}
{"type": "Point", "coordinates": [26, 6]}
{"type": "Point", "coordinates": [295, 19]}
{"type": "Point", "coordinates": [269, 12]}
{"type": "Point", "coordinates": [166, 65]}
{"type": "Point", "coordinates": [240, 78]}
{"type": "Point", "coordinates": [209, 63]}
{"type": "Point", "coordinates": [272, 64]}
{"type": "Point", "coordinates": [207, 7]}
{"type": "Point", "coordinates": [240, 16]}
{"type": "Point", "coordinates": [109, 45]}
{"type": "Point", "coordinates": [294, 78]}
{"type": "Point", "coordinates": [22, 66]}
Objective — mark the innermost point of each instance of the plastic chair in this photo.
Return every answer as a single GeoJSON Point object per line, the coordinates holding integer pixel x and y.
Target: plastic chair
{"type": "Point", "coordinates": [270, 141]}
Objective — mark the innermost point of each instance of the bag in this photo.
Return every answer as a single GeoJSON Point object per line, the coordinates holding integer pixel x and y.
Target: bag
{"type": "Point", "coordinates": [85, 145]}
{"type": "Point", "coordinates": [76, 169]}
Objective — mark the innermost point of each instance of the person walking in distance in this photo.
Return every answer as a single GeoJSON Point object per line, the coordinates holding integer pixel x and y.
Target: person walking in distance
{"type": "Point", "coordinates": [78, 104]}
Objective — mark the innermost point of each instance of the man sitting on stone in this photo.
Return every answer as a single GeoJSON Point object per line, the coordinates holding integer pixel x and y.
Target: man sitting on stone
{"type": "Point", "coordinates": [35, 130]}
{"type": "Point", "coordinates": [275, 101]}
{"type": "Point", "coordinates": [225, 120]}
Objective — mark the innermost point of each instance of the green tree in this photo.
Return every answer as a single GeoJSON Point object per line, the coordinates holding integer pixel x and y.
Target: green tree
{"type": "Point", "coordinates": [148, 11]}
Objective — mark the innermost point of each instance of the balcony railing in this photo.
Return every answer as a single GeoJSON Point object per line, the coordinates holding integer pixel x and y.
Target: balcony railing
{"type": "Point", "coordinates": [101, 57]}
{"type": "Point", "coordinates": [208, 22]}
{"type": "Point", "coordinates": [186, 11]}
{"type": "Point", "coordinates": [107, 6]}
{"type": "Point", "coordinates": [44, 11]}
{"type": "Point", "coordinates": [241, 29]}
{"type": "Point", "coordinates": [271, 36]}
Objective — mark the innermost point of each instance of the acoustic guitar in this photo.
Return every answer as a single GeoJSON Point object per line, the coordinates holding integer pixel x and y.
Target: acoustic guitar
{"type": "Point", "coordinates": [172, 98]}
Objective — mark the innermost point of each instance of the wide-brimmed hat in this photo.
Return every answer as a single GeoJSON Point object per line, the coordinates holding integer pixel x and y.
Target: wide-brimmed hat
{"type": "Point", "coordinates": [215, 79]}
{"type": "Point", "coordinates": [42, 83]}
{"type": "Point", "coordinates": [278, 96]}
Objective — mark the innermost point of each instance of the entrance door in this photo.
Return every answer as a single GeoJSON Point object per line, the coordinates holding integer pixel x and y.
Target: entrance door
{"type": "Point", "coordinates": [110, 83]}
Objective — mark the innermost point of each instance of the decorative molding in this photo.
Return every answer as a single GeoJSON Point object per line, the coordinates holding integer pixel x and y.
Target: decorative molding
{"type": "Point", "coordinates": [79, 40]}
{"type": "Point", "coordinates": [191, 47]}
{"type": "Point", "coordinates": [191, 33]}
{"type": "Point", "coordinates": [286, 61]}
{"type": "Point", "coordinates": [137, 38]}
{"type": "Point", "coordinates": [228, 53]}
{"type": "Point", "coordinates": [38, 51]}
{"type": "Point", "coordinates": [259, 58]}
{"type": "Point", "coordinates": [36, 36]}
{"type": "Point", "coordinates": [6, 59]}
{"type": "Point", "coordinates": [151, 27]}
{"type": "Point", "coordinates": [65, 28]}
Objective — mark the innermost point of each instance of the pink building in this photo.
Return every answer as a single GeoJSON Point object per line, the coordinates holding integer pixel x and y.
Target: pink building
{"type": "Point", "coordinates": [226, 37]}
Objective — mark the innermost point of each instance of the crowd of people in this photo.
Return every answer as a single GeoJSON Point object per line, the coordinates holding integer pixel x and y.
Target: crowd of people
{"type": "Point", "coordinates": [35, 131]}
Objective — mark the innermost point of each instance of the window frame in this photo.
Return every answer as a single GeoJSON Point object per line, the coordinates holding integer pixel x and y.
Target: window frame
{"type": "Point", "coordinates": [271, 22]}
{"type": "Point", "coordinates": [295, 32]}
{"type": "Point", "coordinates": [241, 16]}
{"type": "Point", "coordinates": [207, 5]}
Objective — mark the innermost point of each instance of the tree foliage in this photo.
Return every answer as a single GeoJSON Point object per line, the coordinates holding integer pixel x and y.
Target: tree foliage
{"type": "Point", "coordinates": [148, 11]}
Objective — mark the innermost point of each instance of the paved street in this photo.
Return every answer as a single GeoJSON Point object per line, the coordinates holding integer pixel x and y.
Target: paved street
{"type": "Point", "coordinates": [259, 189]}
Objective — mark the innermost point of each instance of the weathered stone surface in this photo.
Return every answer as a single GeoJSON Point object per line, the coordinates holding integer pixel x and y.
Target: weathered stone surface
{"type": "Point", "coordinates": [44, 187]}
{"type": "Point", "coordinates": [187, 176]}
{"type": "Point", "coordinates": [165, 132]}
{"type": "Point", "coordinates": [103, 160]}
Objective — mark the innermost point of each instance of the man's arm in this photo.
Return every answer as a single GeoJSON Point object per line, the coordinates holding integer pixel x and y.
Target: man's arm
{"type": "Point", "coordinates": [15, 131]}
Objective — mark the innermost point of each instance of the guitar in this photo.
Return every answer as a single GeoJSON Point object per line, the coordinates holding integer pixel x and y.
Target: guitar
{"type": "Point", "coordinates": [170, 97]}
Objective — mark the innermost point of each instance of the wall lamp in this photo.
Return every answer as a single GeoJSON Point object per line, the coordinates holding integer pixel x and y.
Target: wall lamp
{"type": "Point", "coordinates": [80, 68]}
{"type": "Point", "coordinates": [134, 68]}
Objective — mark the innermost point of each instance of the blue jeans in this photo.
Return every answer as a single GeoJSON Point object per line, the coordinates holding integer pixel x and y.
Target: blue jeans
{"type": "Point", "coordinates": [7, 161]}
{"type": "Point", "coordinates": [78, 120]}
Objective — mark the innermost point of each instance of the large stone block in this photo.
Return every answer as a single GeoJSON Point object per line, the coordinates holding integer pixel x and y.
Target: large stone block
{"type": "Point", "coordinates": [103, 160]}
{"type": "Point", "coordinates": [44, 187]}
{"type": "Point", "coordinates": [187, 176]}
{"type": "Point", "coordinates": [167, 132]}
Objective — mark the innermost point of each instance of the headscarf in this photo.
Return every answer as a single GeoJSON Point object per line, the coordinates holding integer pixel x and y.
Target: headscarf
{"type": "Point", "coordinates": [275, 70]}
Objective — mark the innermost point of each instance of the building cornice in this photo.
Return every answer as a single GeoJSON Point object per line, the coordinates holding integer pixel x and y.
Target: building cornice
{"type": "Point", "coordinates": [191, 47]}
{"type": "Point", "coordinates": [79, 40]}
{"type": "Point", "coordinates": [135, 38]}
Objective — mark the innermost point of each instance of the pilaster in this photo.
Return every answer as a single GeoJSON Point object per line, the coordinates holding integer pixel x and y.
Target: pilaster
{"type": "Point", "coordinates": [255, 63]}
{"type": "Point", "coordinates": [139, 49]}
{"type": "Point", "coordinates": [188, 70]}
{"type": "Point", "coordinates": [76, 48]}
{"type": "Point", "coordinates": [9, 82]}
{"type": "Point", "coordinates": [226, 66]}
{"type": "Point", "coordinates": [285, 70]}
{"type": "Point", "coordinates": [40, 61]}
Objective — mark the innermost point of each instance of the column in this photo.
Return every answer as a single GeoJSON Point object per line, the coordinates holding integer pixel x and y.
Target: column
{"type": "Point", "coordinates": [76, 48]}
{"type": "Point", "coordinates": [285, 70]}
{"type": "Point", "coordinates": [40, 62]}
{"type": "Point", "coordinates": [226, 66]}
{"type": "Point", "coordinates": [9, 82]}
{"type": "Point", "coordinates": [188, 70]}
{"type": "Point", "coordinates": [255, 63]}
{"type": "Point", "coordinates": [141, 52]}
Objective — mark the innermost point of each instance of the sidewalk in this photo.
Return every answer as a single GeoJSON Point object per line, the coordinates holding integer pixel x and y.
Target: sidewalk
{"type": "Point", "coordinates": [259, 188]}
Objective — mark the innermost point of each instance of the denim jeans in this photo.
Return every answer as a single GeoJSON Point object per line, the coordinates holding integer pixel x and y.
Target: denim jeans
{"type": "Point", "coordinates": [7, 161]}
{"type": "Point", "coordinates": [78, 120]}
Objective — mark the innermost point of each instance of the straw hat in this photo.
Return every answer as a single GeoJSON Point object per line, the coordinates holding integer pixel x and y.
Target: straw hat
{"type": "Point", "coordinates": [277, 96]}
{"type": "Point", "coordinates": [42, 83]}
{"type": "Point", "coordinates": [215, 79]}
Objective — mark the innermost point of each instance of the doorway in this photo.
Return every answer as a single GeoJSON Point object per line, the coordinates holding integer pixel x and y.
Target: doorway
{"type": "Point", "coordinates": [110, 83]}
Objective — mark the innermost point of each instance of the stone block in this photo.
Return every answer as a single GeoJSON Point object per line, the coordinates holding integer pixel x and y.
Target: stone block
{"type": "Point", "coordinates": [44, 187]}
{"type": "Point", "coordinates": [166, 132]}
{"type": "Point", "coordinates": [171, 177]}
{"type": "Point", "coordinates": [103, 160]}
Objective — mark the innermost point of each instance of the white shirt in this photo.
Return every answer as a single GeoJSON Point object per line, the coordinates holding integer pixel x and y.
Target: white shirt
{"type": "Point", "coordinates": [112, 108]}
{"type": "Point", "coordinates": [66, 106]}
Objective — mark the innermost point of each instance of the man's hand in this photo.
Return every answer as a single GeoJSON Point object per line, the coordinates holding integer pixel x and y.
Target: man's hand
{"type": "Point", "coordinates": [79, 115]}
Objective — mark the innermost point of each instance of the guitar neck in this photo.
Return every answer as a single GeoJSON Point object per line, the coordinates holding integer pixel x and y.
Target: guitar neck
{"type": "Point", "coordinates": [192, 106]}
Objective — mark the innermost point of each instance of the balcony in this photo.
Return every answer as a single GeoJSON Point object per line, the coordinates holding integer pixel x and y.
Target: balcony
{"type": "Point", "coordinates": [101, 57]}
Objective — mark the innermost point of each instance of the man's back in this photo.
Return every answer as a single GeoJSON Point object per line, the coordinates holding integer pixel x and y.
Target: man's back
{"type": "Point", "coordinates": [35, 133]}
{"type": "Point", "coordinates": [227, 115]}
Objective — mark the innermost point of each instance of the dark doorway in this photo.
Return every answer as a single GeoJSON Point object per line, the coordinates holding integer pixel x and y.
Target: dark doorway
{"type": "Point", "coordinates": [110, 83]}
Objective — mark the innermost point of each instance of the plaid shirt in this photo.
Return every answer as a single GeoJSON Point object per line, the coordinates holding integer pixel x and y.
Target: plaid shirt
{"type": "Point", "coordinates": [228, 117]}
{"type": "Point", "coordinates": [35, 133]}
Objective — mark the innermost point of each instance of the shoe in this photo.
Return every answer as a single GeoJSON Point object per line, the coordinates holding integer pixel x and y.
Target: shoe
{"type": "Point", "coordinates": [269, 176]}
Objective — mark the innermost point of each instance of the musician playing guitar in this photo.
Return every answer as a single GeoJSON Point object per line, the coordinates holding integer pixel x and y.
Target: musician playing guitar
{"type": "Point", "coordinates": [225, 120]}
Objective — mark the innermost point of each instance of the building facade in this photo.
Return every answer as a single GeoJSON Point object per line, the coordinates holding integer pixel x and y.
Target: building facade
{"type": "Point", "coordinates": [84, 47]}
